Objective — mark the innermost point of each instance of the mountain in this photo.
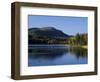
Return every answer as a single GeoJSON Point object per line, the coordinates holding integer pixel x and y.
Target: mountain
{"type": "Point", "coordinates": [49, 32]}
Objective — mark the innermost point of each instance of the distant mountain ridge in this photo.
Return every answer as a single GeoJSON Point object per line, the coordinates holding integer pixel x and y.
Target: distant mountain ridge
{"type": "Point", "coordinates": [50, 32]}
{"type": "Point", "coordinates": [51, 35]}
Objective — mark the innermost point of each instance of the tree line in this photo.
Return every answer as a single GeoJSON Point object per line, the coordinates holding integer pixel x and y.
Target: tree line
{"type": "Point", "coordinates": [78, 39]}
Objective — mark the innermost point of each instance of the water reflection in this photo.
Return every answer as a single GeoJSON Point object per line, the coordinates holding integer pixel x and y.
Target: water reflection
{"type": "Point", "coordinates": [67, 54]}
{"type": "Point", "coordinates": [47, 53]}
{"type": "Point", "coordinates": [78, 51]}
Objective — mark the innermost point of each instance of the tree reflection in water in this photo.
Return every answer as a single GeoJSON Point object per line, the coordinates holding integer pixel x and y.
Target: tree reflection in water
{"type": "Point", "coordinates": [78, 51]}
{"type": "Point", "coordinates": [56, 52]}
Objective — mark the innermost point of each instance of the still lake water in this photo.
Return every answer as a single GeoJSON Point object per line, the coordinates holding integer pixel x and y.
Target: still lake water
{"type": "Point", "coordinates": [48, 55]}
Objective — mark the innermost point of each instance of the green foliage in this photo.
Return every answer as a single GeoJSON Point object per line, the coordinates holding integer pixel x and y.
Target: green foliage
{"type": "Point", "coordinates": [79, 39]}
{"type": "Point", "coordinates": [54, 36]}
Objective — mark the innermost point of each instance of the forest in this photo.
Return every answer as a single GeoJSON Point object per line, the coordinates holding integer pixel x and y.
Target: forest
{"type": "Point", "coordinates": [51, 35]}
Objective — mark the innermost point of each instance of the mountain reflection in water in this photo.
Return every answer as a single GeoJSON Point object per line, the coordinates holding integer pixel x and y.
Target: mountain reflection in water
{"type": "Point", "coordinates": [56, 55]}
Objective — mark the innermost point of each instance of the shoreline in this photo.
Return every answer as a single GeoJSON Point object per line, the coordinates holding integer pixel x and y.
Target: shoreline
{"type": "Point", "coordinates": [82, 46]}
{"type": "Point", "coordinates": [85, 46]}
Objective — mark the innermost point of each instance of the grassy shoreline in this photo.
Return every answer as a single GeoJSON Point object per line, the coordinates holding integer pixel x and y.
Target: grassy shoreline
{"type": "Point", "coordinates": [85, 46]}
{"type": "Point", "coordinates": [82, 46]}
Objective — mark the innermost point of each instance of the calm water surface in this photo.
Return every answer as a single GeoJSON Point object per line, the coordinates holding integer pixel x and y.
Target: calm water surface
{"type": "Point", "coordinates": [48, 55]}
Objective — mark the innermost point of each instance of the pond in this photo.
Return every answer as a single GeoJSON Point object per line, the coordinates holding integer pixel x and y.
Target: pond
{"type": "Point", "coordinates": [50, 55]}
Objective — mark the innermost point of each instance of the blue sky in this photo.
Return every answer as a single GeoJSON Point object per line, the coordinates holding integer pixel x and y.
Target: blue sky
{"type": "Point", "coordinates": [69, 25]}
